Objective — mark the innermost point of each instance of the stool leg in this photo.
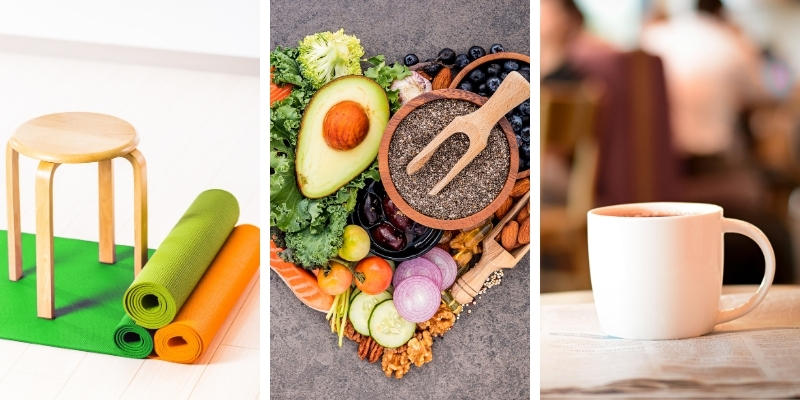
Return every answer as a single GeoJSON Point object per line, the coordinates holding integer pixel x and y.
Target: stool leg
{"type": "Point", "coordinates": [106, 190]}
{"type": "Point", "coordinates": [140, 209]}
{"type": "Point", "coordinates": [12, 206]}
{"type": "Point", "coordinates": [44, 240]}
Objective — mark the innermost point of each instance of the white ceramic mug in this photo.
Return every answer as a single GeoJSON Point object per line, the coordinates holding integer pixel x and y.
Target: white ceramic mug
{"type": "Point", "coordinates": [660, 277]}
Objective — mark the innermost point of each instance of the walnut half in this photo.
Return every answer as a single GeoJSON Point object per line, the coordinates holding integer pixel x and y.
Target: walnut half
{"type": "Point", "coordinates": [419, 348]}
{"type": "Point", "coordinates": [396, 362]}
{"type": "Point", "coordinates": [440, 322]}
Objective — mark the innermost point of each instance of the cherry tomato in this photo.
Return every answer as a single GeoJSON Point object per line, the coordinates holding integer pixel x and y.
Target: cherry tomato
{"type": "Point", "coordinates": [377, 275]}
{"type": "Point", "coordinates": [336, 281]}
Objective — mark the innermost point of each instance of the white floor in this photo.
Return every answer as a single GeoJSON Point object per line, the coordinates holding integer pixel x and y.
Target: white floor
{"type": "Point", "coordinates": [198, 130]}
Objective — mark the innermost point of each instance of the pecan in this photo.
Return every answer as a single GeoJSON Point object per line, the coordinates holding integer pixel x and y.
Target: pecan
{"type": "Point", "coordinates": [375, 353]}
{"type": "Point", "coordinates": [364, 347]}
{"type": "Point", "coordinates": [351, 333]}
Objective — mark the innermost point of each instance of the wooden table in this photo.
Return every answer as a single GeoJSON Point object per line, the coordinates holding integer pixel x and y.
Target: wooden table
{"type": "Point", "coordinates": [585, 296]}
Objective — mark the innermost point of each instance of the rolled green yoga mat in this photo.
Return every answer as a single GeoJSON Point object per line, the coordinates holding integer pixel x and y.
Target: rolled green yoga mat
{"type": "Point", "coordinates": [132, 339]}
{"type": "Point", "coordinates": [156, 295]}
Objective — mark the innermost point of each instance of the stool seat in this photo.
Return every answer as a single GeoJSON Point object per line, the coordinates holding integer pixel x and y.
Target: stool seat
{"type": "Point", "coordinates": [75, 137]}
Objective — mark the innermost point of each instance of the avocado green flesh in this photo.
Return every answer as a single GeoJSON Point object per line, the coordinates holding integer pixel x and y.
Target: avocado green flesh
{"type": "Point", "coordinates": [322, 170]}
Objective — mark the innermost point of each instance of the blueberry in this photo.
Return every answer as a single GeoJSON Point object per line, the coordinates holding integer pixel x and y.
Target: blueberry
{"type": "Point", "coordinates": [525, 67]}
{"type": "Point", "coordinates": [519, 140]}
{"type": "Point", "coordinates": [526, 120]}
{"type": "Point", "coordinates": [525, 107]}
{"type": "Point", "coordinates": [465, 85]}
{"type": "Point", "coordinates": [525, 163]}
{"type": "Point", "coordinates": [516, 123]}
{"type": "Point", "coordinates": [483, 94]}
{"type": "Point", "coordinates": [410, 59]}
{"type": "Point", "coordinates": [447, 56]}
{"type": "Point", "coordinates": [477, 76]}
{"type": "Point", "coordinates": [496, 48]}
{"type": "Point", "coordinates": [525, 134]}
{"type": "Point", "coordinates": [493, 83]}
{"type": "Point", "coordinates": [476, 52]}
{"type": "Point", "coordinates": [510, 65]}
{"type": "Point", "coordinates": [433, 68]}
{"type": "Point", "coordinates": [483, 89]}
{"type": "Point", "coordinates": [462, 61]}
{"type": "Point", "coordinates": [525, 74]}
{"type": "Point", "coordinates": [493, 70]}
{"type": "Point", "coordinates": [514, 111]}
{"type": "Point", "coordinates": [525, 153]}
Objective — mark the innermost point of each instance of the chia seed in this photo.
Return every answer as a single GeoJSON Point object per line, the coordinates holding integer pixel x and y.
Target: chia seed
{"type": "Point", "coordinates": [477, 185]}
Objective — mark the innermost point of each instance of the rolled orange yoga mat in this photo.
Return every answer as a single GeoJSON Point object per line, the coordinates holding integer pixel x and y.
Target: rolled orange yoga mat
{"type": "Point", "coordinates": [190, 333]}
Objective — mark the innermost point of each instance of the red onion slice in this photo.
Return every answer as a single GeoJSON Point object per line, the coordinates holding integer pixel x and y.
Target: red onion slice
{"type": "Point", "coordinates": [447, 266]}
{"type": "Point", "coordinates": [417, 266]}
{"type": "Point", "coordinates": [417, 298]}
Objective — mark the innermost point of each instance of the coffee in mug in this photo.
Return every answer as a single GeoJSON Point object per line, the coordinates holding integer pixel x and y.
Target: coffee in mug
{"type": "Point", "coordinates": [661, 278]}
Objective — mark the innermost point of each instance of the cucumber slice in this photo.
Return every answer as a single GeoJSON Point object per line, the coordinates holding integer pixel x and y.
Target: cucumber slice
{"type": "Point", "coordinates": [388, 328]}
{"type": "Point", "coordinates": [361, 307]}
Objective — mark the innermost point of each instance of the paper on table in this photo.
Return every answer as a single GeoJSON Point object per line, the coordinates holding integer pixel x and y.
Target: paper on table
{"type": "Point", "coordinates": [761, 350]}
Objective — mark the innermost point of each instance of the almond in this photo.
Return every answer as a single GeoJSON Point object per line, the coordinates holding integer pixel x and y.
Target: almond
{"type": "Point", "coordinates": [443, 79]}
{"type": "Point", "coordinates": [523, 214]}
{"type": "Point", "coordinates": [521, 187]}
{"type": "Point", "coordinates": [424, 75]}
{"type": "Point", "coordinates": [524, 234]}
{"type": "Point", "coordinates": [501, 212]}
{"type": "Point", "coordinates": [508, 237]}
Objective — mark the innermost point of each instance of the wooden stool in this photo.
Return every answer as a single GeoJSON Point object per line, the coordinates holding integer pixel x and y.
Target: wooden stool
{"type": "Point", "coordinates": [72, 138]}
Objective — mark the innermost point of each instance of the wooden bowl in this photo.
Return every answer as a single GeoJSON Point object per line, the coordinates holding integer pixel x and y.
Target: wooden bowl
{"type": "Point", "coordinates": [488, 59]}
{"type": "Point", "coordinates": [388, 184]}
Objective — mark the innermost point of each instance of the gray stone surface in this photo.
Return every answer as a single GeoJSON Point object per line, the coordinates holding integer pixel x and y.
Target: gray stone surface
{"type": "Point", "coordinates": [487, 353]}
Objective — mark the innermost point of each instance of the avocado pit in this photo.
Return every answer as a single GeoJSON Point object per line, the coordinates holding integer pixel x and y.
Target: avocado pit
{"type": "Point", "coordinates": [345, 126]}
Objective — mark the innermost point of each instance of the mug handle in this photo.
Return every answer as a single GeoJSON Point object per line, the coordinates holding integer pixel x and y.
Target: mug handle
{"type": "Point", "coordinates": [744, 228]}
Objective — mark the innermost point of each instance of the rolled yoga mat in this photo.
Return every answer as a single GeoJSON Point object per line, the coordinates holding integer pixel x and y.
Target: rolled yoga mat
{"type": "Point", "coordinates": [189, 335]}
{"type": "Point", "coordinates": [161, 289]}
{"type": "Point", "coordinates": [132, 339]}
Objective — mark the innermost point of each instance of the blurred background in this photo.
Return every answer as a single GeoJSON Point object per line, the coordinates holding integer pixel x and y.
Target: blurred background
{"type": "Point", "coordinates": [680, 100]}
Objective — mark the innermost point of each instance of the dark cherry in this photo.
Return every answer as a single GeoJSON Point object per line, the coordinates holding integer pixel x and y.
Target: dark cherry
{"type": "Point", "coordinates": [388, 237]}
{"type": "Point", "coordinates": [371, 209]}
{"type": "Point", "coordinates": [394, 215]}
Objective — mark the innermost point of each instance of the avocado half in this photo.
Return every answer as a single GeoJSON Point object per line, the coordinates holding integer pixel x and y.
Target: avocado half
{"type": "Point", "coordinates": [337, 141]}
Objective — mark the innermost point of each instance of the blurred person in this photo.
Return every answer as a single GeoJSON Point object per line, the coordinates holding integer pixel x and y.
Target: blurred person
{"type": "Point", "coordinates": [713, 72]}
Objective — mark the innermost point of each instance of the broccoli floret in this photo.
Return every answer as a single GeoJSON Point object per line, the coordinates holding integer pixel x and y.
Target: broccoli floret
{"type": "Point", "coordinates": [325, 56]}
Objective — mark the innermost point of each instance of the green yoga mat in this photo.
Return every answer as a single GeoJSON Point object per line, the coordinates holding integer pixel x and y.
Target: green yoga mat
{"type": "Point", "coordinates": [132, 339]}
{"type": "Point", "coordinates": [87, 297]}
{"type": "Point", "coordinates": [166, 281]}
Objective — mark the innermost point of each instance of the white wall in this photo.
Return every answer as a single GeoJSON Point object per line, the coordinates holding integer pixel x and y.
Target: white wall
{"type": "Point", "coordinates": [219, 27]}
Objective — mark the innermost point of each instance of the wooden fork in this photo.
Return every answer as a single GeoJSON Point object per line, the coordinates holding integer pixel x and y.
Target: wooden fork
{"type": "Point", "coordinates": [477, 126]}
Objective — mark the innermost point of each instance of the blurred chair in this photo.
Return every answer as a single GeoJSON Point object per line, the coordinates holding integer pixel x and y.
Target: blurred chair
{"type": "Point", "coordinates": [637, 162]}
{"type": "Point", "coordinates": [567, 119]}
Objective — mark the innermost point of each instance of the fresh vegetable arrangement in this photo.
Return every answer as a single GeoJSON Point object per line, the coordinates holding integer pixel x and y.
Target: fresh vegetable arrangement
{"type": "Point", "coordinates": [335, 233]}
